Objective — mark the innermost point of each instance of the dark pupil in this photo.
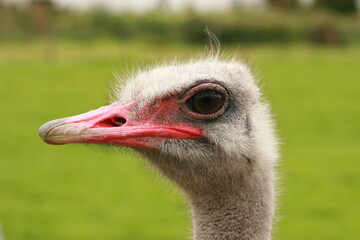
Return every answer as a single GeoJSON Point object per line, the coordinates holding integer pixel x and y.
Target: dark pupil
{"type": "Point", "coordinates": [206, 102]}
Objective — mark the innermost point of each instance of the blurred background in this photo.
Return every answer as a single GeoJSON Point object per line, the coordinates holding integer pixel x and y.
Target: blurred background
{"type": "Point", "coordinates": [57, 59]}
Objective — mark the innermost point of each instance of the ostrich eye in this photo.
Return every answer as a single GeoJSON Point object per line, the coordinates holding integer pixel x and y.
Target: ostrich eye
{"type": "Point", "coordinates": [206, 102]}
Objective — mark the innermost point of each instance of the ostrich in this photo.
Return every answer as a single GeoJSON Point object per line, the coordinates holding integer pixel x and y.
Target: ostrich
{"type": "Point", "coordinates": [202, 124]}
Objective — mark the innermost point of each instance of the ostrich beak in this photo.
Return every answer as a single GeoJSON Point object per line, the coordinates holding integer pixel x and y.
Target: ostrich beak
{"type": "Point", "coordinates": [115, 125]}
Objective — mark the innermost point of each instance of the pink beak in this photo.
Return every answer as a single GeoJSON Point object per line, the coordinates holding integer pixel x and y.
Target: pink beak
{"type": "Point", "coordinates": [114, 125]}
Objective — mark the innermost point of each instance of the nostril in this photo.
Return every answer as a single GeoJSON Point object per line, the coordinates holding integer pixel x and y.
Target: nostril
{"type": "Point", "coordinates": [111, 122]}
{"type": "Point", "coordinates": [118, 121]}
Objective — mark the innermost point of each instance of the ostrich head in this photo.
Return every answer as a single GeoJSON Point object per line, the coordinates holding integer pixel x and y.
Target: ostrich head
{"type": "Point", "coordinates": [201, 123]}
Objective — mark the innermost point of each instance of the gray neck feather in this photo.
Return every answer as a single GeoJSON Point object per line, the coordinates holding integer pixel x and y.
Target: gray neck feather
{"type": "Point", "coordinates": [242, 215]}
{"type": "Point", "coordinates": [238, 205]}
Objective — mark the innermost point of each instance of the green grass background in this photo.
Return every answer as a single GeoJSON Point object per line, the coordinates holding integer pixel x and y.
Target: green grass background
{"type": "Point", "coordinates": [76, 192]}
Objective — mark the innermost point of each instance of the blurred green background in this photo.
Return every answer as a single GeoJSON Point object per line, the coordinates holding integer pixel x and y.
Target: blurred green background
{"type": "Point", "coordinates": [56, 62]}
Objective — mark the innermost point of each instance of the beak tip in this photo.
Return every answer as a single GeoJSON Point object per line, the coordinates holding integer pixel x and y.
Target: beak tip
{"type": "Point", "coordinates": [46, 128]}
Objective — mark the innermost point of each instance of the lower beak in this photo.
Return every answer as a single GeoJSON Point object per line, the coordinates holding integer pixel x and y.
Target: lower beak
{"type": "Point", "coordinates": [113, 125]}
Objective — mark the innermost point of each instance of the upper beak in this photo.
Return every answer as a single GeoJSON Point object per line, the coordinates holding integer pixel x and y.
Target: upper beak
{"type": "Point", "coordinates": [114, 125]}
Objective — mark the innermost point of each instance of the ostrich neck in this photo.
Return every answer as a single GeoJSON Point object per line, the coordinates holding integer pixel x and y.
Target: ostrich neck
{"type": "Point", "coordinates": [243, 213]}
{"type": "Point", "coordinates": [236, 206]}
